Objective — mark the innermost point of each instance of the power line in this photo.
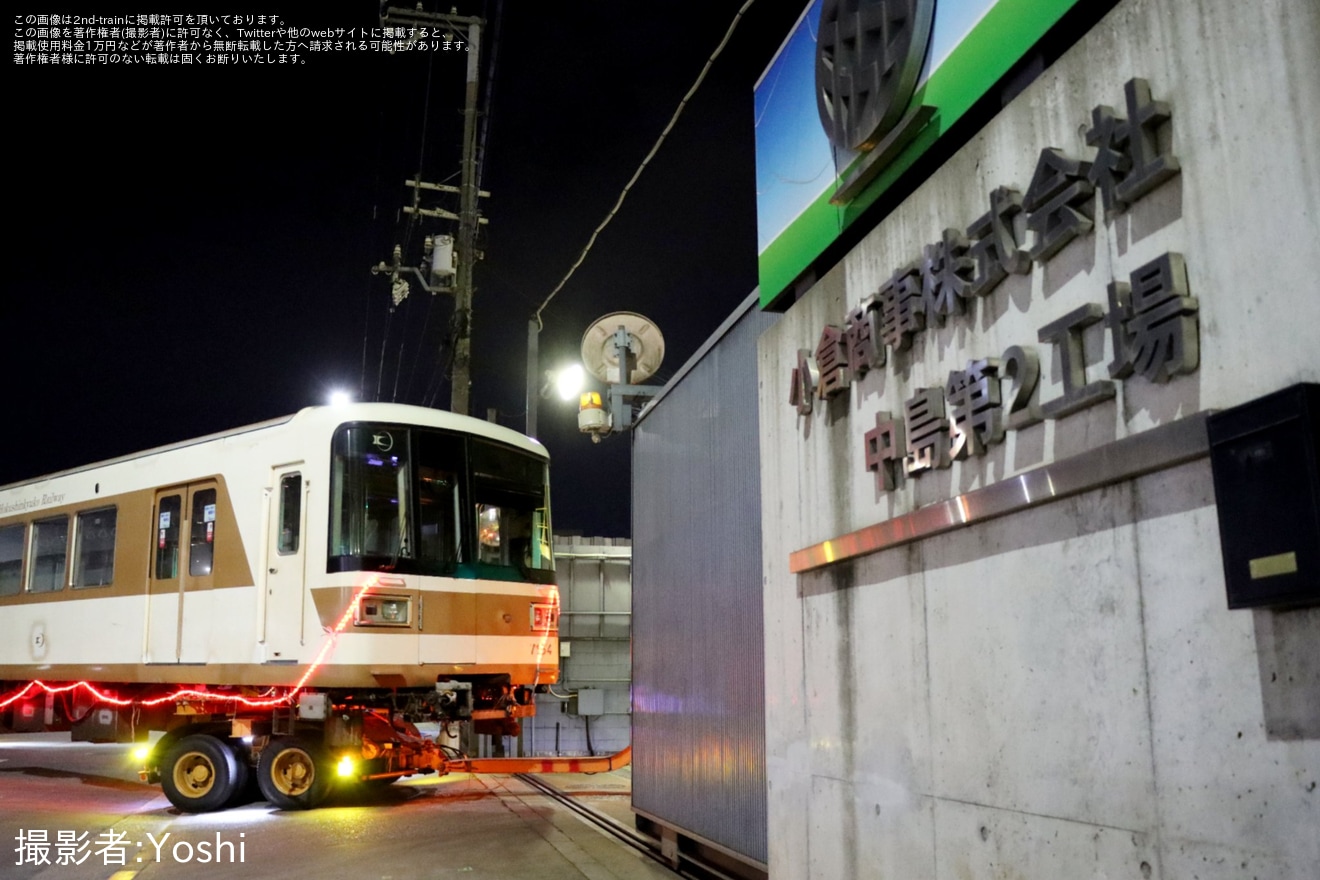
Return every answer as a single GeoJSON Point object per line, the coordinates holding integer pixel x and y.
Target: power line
{"type": "Point", "coordinates": [640, 168]}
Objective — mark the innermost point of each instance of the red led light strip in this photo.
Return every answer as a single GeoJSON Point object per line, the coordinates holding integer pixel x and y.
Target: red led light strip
{"type": "Point", "coordinates": [193, 693]}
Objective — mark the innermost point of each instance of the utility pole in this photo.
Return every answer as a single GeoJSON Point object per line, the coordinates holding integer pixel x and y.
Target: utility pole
{"type": "Point", "coordinates": [468, 217]}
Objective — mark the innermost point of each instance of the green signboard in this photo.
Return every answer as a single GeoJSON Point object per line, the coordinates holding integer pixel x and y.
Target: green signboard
{"type": "Point", "coordinates": [855, 96]}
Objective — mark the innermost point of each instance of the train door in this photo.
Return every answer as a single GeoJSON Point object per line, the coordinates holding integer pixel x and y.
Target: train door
{"type": "Point", "coordinates": [180, 594]}
{"type": "Point", "coordinates": [286, 557]}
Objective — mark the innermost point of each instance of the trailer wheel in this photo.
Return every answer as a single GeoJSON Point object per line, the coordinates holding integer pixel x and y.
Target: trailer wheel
{"type": "Point", "coordinates": [292, 774]}
{"type": "Point", "coordinates": [199, 774]}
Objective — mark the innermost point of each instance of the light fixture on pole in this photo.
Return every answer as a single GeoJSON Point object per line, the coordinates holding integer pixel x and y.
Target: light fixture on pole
{"type": "Point", "coordinates": [621, 349]}
{"type": "Point", "coordinates": [570, 381]}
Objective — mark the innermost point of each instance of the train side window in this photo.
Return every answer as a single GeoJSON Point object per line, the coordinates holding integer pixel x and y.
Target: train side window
{"type": "Point", "coordinates": [290, 513]}
{"type": "Point", "coordinates": [50, 549]}
{"type": "Point", "coordinates": [94, 548]}
{"type": "Point", "coordinates": [201, 552]}
{"type": "Point", "coordinates": [167, 537]}
{"type": "Point", "coordinates": [11, 559]}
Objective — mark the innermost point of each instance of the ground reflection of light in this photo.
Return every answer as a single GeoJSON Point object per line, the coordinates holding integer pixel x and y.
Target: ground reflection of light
{"type": "Point", "coordinates": [234, 818]}
{"type": "Point", "coordinates": [431, 779]}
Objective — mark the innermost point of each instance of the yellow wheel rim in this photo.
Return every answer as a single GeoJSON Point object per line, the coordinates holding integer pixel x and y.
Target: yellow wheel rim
{"type": "Point", "coordinates": [194, 774]}
{"type": "Point", "coordinates": [292, 772]}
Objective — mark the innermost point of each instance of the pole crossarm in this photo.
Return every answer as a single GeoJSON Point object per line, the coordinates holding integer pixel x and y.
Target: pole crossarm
{"type": "Point", "coordinates": [395, 16]}
{"type": "Point", "coordinates": [439, 214]}
{"type": "Point", "coordinates": [441, 187]}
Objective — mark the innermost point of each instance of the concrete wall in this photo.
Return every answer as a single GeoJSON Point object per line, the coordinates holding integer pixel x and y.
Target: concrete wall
{"type": "Point", "coordinates": [1061, 692]}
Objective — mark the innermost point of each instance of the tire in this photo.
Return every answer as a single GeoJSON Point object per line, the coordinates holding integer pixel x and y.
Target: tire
{"type": "Point", "coordinates": [293, 774]}
{"type": "Point", "coordinates": [245, 785]}
{"type": "Point", "coordinates": [200, 774]}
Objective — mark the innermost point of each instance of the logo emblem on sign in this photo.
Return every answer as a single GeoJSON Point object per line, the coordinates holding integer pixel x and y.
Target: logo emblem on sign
{"type": "Point", "coordinates": [384, 441]}
{"type": "Point", "coordinates": [868, 59]}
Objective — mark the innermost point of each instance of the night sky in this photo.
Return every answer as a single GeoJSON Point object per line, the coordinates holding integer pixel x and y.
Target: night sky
{"type": "Point", "coordinates": [192, 244]}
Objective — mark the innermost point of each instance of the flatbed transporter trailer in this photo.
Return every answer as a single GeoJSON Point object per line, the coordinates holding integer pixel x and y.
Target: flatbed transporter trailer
{"type": "Point", "coordinates": [402, 566]}
{"type": "Point", "coordinates": [295, 751]}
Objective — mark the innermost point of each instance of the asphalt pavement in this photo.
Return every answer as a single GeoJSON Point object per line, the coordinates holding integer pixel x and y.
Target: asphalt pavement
{"type": "Point", "coordinates": [76, 811]}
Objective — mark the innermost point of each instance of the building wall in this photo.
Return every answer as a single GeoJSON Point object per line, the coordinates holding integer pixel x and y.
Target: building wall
{"type": "Point", "coordinates": [595, 639]}
{"type": "Point", "coordinates": [698, 723]}
{"type": "Point", "coordinates": [1060, 692]}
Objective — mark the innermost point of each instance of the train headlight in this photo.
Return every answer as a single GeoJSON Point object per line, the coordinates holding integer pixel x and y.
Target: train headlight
{"type": "Point", "coordinates": [383, 611]}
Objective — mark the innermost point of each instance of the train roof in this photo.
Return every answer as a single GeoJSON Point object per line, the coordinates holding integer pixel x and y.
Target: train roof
{"type": "Point", "coordinates": [333, 415]}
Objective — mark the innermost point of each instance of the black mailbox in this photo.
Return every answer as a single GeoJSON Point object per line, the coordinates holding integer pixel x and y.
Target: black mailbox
{"type": "Point", "coordinates": [1265, 457]}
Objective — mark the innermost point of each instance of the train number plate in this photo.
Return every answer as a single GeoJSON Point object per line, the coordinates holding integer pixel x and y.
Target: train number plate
{"type": "Point", "coordinates": [545, 618]}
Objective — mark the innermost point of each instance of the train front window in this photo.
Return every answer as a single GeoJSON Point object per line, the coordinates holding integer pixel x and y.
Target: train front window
{"type": "Point", "coordinates": [512, 521]}
{"type": "Point", "coordinates": [439, 490]}
{"type": "Point", "coordinates": [414, 500]}
{"type": "Point", "coordinates": [438, 515]}
{"type": "Point", "coordinates": [371, 495]}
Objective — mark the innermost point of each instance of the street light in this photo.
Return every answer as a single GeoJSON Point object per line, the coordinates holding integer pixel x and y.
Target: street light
{"type": "Point", "coordinates": [621, 350]}
{"type": "Point", "coordinates": [569, 381]}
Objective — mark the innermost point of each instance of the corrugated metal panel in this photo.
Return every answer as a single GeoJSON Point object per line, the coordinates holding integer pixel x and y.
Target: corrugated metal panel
{"type": "Point", "coordinates": [698, 654]}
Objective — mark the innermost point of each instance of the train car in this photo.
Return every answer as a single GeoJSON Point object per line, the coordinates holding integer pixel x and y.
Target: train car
{"type": "Point", "coordinates": [374, 563]}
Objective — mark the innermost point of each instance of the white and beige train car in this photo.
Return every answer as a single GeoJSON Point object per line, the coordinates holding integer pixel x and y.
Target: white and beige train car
{"type": "Point", "coordinates": [232, 559]}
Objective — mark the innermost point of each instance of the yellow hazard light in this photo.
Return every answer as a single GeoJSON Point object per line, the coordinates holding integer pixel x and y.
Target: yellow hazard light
{"type": "Point", "coordinates": [590, 400]}
{"type": "Point", "coordinates": [142, 753]}
{"type": "Point", "coordinates": [347, 766]}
